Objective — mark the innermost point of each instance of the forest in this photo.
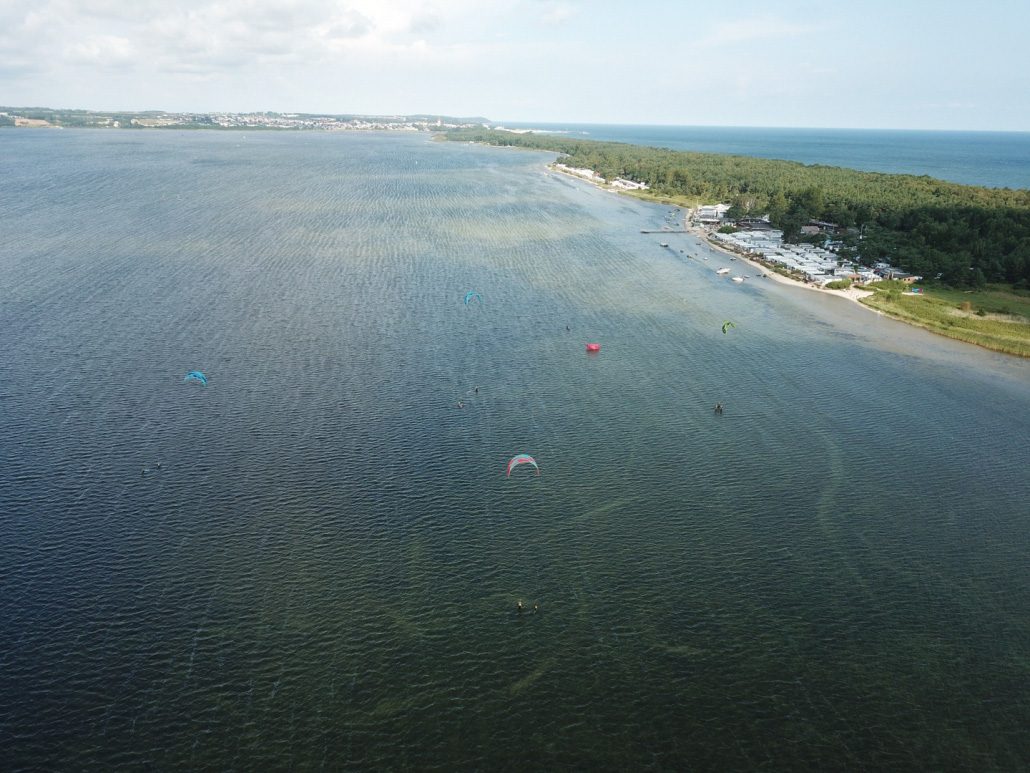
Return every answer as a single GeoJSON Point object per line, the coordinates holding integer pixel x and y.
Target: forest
{"type": "Point", "coordinates": [963, 234]}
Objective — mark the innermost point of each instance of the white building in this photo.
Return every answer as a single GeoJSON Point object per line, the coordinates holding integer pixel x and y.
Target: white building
{"type": "Point", "coordinates": [628, 185]}
{"type": "Point", "coordinates": [586, 174]}
{"type": "Point", "coordinates": [712, 213]}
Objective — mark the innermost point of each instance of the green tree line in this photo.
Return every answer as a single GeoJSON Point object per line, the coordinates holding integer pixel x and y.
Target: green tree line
{"type": "Point", "coordinates": [968, 234]}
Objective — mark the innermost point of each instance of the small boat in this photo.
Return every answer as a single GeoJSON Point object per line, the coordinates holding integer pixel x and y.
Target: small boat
{"type": "Point", "coordinates": [723, 271]}
{"type": "Point", "coordinates": [738, 279]}
{"type": "Point", "coordinates": [664, 244]}
{"type": "Point", "coordinates": [593, 347]}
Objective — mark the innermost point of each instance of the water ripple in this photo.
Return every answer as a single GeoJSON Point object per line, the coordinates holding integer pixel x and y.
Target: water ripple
{"type": "Point", "coordinates": [323, 571]}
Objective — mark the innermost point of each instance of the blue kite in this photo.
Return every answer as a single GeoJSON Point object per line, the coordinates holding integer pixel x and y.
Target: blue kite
{"type": "Point", "coordinates": [472, 294]}
{"type": "Point", "coordinates": [196, 375]}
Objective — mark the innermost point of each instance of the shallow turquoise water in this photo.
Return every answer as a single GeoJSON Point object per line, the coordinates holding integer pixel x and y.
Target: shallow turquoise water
{"type": "Point", "coordinates": [324, 571]}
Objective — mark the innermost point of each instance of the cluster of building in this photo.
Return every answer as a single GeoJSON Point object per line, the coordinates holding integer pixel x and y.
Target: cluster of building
{"type": "Point", "coordinates": [44, 117]}
{"type": "Point", "coordinates": [628, 185]}
{"type": "Point", "coordinates": [327, 123]}
{"type": "Point", "coordinates": [819, 265]}
{"type": "Point", "coordinates": [591, 176]}
{"type": "Point", "coordinates": [586, 174]}
{"type": "Point", "coordinates": [816, 264]}
{"type": "Point", "coordinates": [711, 214]}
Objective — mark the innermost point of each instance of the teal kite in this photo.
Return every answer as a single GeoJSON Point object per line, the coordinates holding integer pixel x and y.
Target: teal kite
{"type": "Point", "coordinates": [518, 459]}
{"type": "Point", "coordinates": [472, 294]}
{"type": "Point", "coordinates": [196, 375]}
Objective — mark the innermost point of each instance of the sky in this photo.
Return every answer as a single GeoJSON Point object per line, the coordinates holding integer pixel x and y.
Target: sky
{"type": "Point", "coordinates": [862, 64]}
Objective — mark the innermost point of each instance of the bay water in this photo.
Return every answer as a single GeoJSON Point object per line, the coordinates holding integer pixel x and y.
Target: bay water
{"type": "Point", "coordinates": [314, 561]}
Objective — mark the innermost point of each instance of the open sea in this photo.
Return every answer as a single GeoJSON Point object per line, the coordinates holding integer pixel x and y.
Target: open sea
{"type": "Point", "coordinates": [991, 159]}
{"type": "Point", "coordinates": [313, 562]}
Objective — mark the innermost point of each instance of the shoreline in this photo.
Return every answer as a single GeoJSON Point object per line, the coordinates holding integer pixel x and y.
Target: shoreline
{"type": "Point", "coordinates": [852, 293]}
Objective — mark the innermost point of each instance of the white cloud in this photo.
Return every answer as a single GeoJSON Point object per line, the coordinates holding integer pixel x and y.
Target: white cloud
{"type": "Point", "coordinates": [762, 64]}
{"type": "Point", "coordinates": [191, 35]}
{"type": "Point", "coordinates": [427, 21]}
{"type": "Point", "coordinates": [558, 13]}
{"type": "Point", "coordinates": [107, 10]}
{"type": "Point", "coordinates": [947, 105]}
{"type": "Point", "coordinates": [351, 25]}
{"type": "Point", "coordinates": [102, 51]}
{"type": "Point", "coordinates": [756, 28]}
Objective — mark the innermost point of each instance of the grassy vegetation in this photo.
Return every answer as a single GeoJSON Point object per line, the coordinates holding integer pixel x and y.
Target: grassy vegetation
{"type": "Point", "coordinates": [996, 318]}
{"type": "Point", "coordinates": [995, 299]}
{"type": "Point", "coordinates": [840, 284]}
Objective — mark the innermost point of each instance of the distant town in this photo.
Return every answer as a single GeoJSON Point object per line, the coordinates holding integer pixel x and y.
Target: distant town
{"type": "Point", "coordinates": [42, 118]}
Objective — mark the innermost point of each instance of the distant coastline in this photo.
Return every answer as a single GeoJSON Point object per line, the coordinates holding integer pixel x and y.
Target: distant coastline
{"type": "Point", "coordinates": [993, 159]}
{"type": "Point", "coordinates": [50, 118]}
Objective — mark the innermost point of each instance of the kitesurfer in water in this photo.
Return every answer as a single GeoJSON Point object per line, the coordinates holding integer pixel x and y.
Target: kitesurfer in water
{"type": "Point", "coordinates": [718, 408]}
{"type": "Point", "coordinates": [461, 404]}
{"type": "Point", "coordinates": [518, 606]}
{"type": "Point", "coordinates": [477, 390]}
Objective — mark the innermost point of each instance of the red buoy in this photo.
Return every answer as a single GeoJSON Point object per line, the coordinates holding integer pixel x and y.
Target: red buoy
{"type": "Point", "coordinates": [593, 347]}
